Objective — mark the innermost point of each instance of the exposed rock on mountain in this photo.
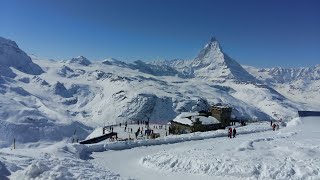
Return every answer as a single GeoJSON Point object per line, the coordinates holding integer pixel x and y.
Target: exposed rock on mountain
{"type": "Point", "coordinates": [12, 56]}
{"type": "Point", "coordinates": [85, 95]}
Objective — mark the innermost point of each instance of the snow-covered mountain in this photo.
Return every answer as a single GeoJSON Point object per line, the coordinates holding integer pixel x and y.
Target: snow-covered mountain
{"type": "Point", "coordinates": [212, 64]}
{"type": "Point", "coordinates": [12, 56]}
{"type": "Point", "coordinates": [285, 75]}
{"type": "Point", "coordinates": [298, 84]}
{"type": "Point", "coordinates": [79, 60]}
{"type": "Point", "coordinates": [47, 99]}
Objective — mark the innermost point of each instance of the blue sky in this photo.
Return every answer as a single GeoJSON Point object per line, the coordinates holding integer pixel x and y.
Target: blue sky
{"type": "Point", "coordinates": [258, 33]}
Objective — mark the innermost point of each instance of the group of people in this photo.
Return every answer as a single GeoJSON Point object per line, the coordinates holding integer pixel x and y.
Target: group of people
{"type": "Point", "coordinates": [157, 126]}
{"type": "Point", "coordinates": [146, 123]}
{"type": "Point", "coordinates": [232, 132]}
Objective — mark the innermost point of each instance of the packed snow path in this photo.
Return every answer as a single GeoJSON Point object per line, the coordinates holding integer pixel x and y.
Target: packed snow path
{"type": "Point", "coordinates": [171, 139]}
{"type": "Point", "coordinates": [290, 153]}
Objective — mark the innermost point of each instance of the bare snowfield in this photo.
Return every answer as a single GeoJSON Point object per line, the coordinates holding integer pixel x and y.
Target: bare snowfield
{"type": "Point", "coordinates": [290, 153]}
{"type": "Point", "coordinates": [256, 153]}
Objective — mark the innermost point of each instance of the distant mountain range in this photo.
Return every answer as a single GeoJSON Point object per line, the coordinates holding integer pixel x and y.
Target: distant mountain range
{"type": "Point", "coordinates": [48, 99]}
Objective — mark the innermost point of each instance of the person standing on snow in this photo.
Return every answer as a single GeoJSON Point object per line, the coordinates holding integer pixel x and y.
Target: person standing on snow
{"type": "Point", "coordinates": [234, 132]}
{"type": "Point", "coordinates": [230, 132]}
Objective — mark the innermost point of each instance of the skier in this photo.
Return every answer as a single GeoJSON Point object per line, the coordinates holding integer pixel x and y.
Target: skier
{"type": "Point", "coordinates": [234, 132]}
{"type": "Point", "coordinates": [274, 127]}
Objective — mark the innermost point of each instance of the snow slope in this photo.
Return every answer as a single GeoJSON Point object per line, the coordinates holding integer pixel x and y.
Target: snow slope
{"type": "Point", "coordinates": [256, 153]}
{"type": "Point", "coordinates": [297, 84]}
{"type": "Point", "coordinates": [290, 153]}
{"type": "Point", "coordinates": [12, 56]}
{"type": "Point", "coordinates": [211, 63]}
{"type": "Point", "coordinates": [52, 100]}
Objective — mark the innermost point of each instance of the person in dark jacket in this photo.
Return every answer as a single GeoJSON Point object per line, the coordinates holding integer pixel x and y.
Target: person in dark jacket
{"type": "Point", "coordinates": [234, 132]}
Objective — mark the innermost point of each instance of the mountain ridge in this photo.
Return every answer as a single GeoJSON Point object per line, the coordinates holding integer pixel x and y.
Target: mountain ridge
{"type": "Point", "coordinates": [111, 91]}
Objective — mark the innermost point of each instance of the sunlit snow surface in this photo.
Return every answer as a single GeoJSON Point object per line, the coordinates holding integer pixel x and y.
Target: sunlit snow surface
{"type": "Point", "coordinates": [46, 103]}
{"type": "Point", "coordinates": [50, 100]}
{"type": "Point", "coordinates": [290, 153]}
{"type": "Point", "coordinates": [257, 152]}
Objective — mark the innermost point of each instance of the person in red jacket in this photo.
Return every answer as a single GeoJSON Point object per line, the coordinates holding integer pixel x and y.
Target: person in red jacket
{"type": "Point", "coordinates": [230, 132]}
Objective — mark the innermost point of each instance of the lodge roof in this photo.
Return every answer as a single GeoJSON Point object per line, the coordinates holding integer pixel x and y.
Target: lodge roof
{"type": "Point", "coordinates": [188, 118]}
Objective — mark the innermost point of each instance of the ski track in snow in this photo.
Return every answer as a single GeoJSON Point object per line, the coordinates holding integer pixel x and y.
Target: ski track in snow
{"type": "Point", "coordinates": [281, 160]}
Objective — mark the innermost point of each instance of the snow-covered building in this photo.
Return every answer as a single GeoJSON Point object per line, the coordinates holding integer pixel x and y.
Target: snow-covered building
{"type": "Point", "coordinates": [187, 122]}
{"type": "Point", "coordinates": [99, 135]}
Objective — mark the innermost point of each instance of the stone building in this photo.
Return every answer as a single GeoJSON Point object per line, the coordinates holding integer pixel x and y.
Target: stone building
{"type": "Point", "coordinates": [222, 113]}
{"type": "Point", "coordinates": [192, 122]}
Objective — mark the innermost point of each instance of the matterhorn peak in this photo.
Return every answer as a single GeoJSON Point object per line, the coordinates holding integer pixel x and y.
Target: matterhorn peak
{"type": "Point", "coordinates": [213, 40]}
{"type": "Point", "coordinates": [212, 60]}
{"type": "Point", "coordinates": [212, 51]}
{"type": "Point", "coordinates": [214, 45]}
